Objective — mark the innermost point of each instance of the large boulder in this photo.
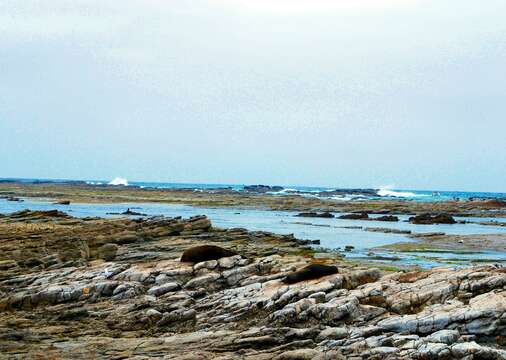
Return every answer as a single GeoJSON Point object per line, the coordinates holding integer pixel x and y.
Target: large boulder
{"type": "Point", "coordinates": [390, 218]}
{"type": "Point", "coordinates": [359, 216]}
{"type": "Point", "coordinates": [108, 252]}
{"type": "Point", "coordinates": [430, 219]}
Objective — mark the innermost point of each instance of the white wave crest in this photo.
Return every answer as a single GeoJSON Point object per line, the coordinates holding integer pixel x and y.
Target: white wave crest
{"type": "Point", "coordinates": [119, 181]}
{"type": "Point", "coordinates": [393, 193]}
{"type": "Point", "coordinates": [281, 192]}
{"type": "Point", "coordinates": [93, 183]}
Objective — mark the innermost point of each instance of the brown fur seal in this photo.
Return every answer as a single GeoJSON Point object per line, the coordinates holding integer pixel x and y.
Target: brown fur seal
{"type": "Point", "coordinates": [310, 272]}
{"type": "Point", "coordinates": [204, 253]}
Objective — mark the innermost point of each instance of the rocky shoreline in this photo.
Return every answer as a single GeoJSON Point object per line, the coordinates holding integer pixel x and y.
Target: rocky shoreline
{"type": "Point", "coordinates": [116, 288]}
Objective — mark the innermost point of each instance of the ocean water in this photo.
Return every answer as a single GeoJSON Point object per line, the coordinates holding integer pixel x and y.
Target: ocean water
{"type": "Point", "coordinates": [333, 234]}
{"type": "Point", "coordinates": [308, 191]}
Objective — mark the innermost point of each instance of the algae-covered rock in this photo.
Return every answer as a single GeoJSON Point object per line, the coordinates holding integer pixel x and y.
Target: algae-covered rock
{"type": "Point", "coordinates": [108, 251]}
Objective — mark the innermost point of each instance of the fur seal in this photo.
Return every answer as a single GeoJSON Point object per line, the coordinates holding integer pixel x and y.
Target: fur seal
{"type": "Point", "coordinates": [310, 272]}
{"type": "Point", "coordinates": [204, 253]}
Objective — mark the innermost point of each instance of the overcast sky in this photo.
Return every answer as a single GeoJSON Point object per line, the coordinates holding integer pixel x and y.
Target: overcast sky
{"type": "Point", "coordinates": [362, 93]}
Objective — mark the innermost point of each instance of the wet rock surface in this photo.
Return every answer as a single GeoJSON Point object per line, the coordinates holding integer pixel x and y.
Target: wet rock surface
{"type": "Point", "coordinates": [312, 214]}
{"type": "Point", "coordinates": [430, 219]}
{"type": "Point", "coordinates": [357, 216]}
{"type": "Point", "coordinates": [95, 288]}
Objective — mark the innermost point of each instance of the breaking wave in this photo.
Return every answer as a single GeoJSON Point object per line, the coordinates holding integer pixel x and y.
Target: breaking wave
{"type": "Point", "coordinates": [282, 192]}
{"type": "Point", "coordinates": [403, 194]}
{"type": "Point", "coordinates": [93, 183]}
{"type": "Point", "coordinates": [119, 181]}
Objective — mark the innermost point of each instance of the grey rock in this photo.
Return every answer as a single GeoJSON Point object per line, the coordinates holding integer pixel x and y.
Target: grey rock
{"type": "Point", "coordinates": [444, 336]}
{"type": "Point", "coordinates": [163, 289]}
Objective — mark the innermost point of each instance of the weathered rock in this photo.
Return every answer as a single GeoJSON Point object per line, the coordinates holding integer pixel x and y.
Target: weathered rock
{"type": "Point", "coordinates": [177, 316]}
{"type": "Point", "coordinates": [163, 289]}
{"type": "Point", "coordinates": [390, 218]}
{"type": "Point", "coordinates": [332, 333]}
{"type": "Point", "coordinates": [145, 303]}
{"type": "Point", "coordinates": [300, 354]}
{"type": "Point", "coordinates": [108, 251]}
{"type": "Point", "coordinates": [360, 216]}
{"type": "Point", "coordinates": [202, 281]}
{"type": "Point", "coordinates": [444, 336]}
{"type": "Point", "coordinates": [429, 219]}
{"type": "Point", "coordinates": [229, 262]}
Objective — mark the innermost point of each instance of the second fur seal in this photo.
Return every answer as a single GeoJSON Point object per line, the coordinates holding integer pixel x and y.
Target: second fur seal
{"type": "Point", "coordinates": [310, 272]}
{"type": "Point", "coordinates": [205, 252]}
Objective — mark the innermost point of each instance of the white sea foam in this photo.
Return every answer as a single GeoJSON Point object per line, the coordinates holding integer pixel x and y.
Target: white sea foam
{"type": "Point", "coordinates": [119, 181]}
{"type": "Point", "coordinates": [282, 192]}
{"type": "Point", "coordinates": [340, 198]}
{"type": "Point", "coordinates": [393, 193]}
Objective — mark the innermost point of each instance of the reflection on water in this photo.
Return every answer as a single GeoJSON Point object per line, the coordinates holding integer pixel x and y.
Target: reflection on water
{"type": "Point", "coordinates": [332, 233]}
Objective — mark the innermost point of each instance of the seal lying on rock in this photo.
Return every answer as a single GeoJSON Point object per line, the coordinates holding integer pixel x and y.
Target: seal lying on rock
{"type": "Point", "coordinates": [310, 272]}
{"type": "Point", "coordinates": [204, 253]}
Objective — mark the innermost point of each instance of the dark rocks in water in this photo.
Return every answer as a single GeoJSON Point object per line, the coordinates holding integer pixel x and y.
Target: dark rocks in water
{"type": "Point", "coordinates": [59, 182]}
{"type": "Point", "coordinates": [262, 188]}
{"type": "Point", "coordinates": [430, 219]}
{"type": "Point", "coordinates": [387, 230]}
{"type": "Point", "coordinates": [359, 192]}
{"type": "Point", "coordinates": [312, 214]}
{"type": "Point", "coordinates": [13, 198]}
{"type": "Point", "coordinates": [387, 218]}
{"type": "Point", "coordinates": [205, 252]}
{"type": "Point", "coordinates": [128, 212]}
{"type": "Point", "coordinates": [361, 216]}
{"type": "Point", "coordinates": [430, 234]}
{"type": "Point", "coordinates": [310, 272]}
{"type": "Point", "coordinates": [308, 242]}
{"type": "Point", "coordinates": [349, 248]}
{"type": "Point", "coordinates": [133, 213]}
{"type": "Point", "coordinates": [63, 202]}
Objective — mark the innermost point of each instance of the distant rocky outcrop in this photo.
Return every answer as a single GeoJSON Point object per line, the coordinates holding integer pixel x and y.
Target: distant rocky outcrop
{"type": "Point", "coordinates": [262, 188]}
{"type": "Point", "coordinates": [495, 203]}
{"type": "Point", "coordinates": [356, 192]}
